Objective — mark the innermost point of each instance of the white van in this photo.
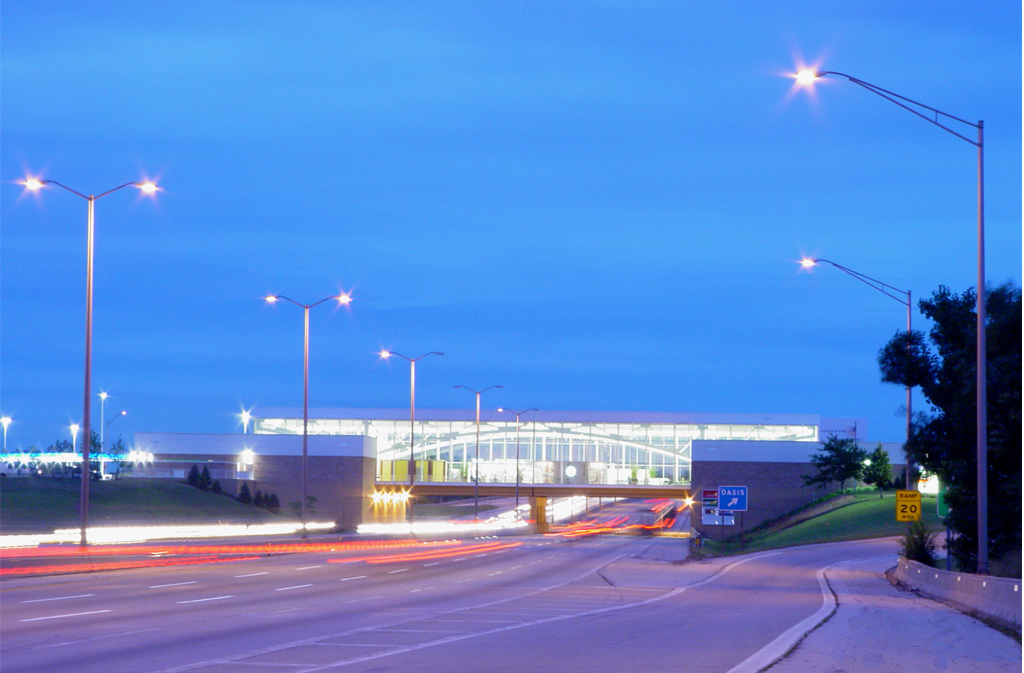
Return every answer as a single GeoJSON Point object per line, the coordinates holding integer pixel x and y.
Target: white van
{"type": "Point", "coordinates": [10, 468]}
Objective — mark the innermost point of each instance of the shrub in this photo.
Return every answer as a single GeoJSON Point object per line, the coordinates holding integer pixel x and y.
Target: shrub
{"type": "Point", "coordinates": [257, 500]}
{"type": "Point", "coordinates": [205, 481]}
{"type": "Point", "coordinates": [216, 488]}
{"type": "Point", "coordinates": [918, 544]}
{"type": "Point", "coordinates": [193, 476]}
{"type": "Point", "coordinates": [272, 503]}
{"type": "Point", "coordinates": [244, 496]}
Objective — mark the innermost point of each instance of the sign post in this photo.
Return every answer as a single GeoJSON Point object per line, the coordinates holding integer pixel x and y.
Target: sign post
{"type": "Point", "coordinates": [732, 499]}
{"type": "Point", "coordinates": [908, 505]}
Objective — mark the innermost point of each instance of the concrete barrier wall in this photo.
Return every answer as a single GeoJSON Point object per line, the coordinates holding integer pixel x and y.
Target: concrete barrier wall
{"type": "Point", "coordinates": [992, 596]}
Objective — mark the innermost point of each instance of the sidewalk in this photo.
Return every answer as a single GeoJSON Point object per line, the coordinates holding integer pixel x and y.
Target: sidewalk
{"type": "Point", "coordinates": [873, 613]}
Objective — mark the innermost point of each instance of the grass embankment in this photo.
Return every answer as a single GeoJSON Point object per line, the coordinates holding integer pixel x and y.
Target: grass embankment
{"type": "Point", "coordinates": [858, 516]}
{"type": "Point", "coordinates": [41, 505]}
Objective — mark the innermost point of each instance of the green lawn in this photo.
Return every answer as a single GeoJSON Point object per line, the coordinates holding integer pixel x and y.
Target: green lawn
{"type": "Point", "coordinates": [41, 505]}
{"type": "Point", "coordinates": [868, 516]}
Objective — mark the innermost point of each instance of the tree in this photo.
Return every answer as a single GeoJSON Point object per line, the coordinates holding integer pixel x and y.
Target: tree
{"type": "Point", "coordinates": [244, 496]}
{"type": "Point", "coordinates": [877, 470]}
{"type": "Point", "coordinates": [257, 500]}
{"type": "Point", "coordinates": [837, 460]}
{"type": "Point", "coordinates": [205, 480]}
{"type": "Point", "coordinates": [193, 476]}
{"type": "Point", "coordinates": [943, 364]}
{"type": "Point", "coordinates": [272, 503]}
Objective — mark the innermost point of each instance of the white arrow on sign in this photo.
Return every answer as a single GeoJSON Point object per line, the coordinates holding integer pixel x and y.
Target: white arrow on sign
{"type": "Point", "coordinates": [734, 501]}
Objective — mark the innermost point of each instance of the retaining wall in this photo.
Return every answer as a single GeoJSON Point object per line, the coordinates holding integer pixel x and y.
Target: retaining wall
{"type": "Point", "coordinates": [996, 597]}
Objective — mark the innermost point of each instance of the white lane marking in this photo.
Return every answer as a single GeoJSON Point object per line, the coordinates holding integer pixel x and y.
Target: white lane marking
{"type": "Point", "coordinates": [435, 563]}
{"type": "Point", "coordinates": [176, 584]}
{"type": "Point", "coordinates": [400, 570]}
{"type": "Point", "coordinates": [357, 577]}
{"type": "Point", "coordinates": [203, 600]}
{"type": "Point", "coordinates": [252, 574]}
{"type": "Point", "coordinates": [72, 614]}
{"type": "Point", "coordinates": [87, 640]}
{"type": "Point", "coordinates": [309, 567]}
{"type": "Point", "coordinates": [298, 586]}
{"type": "Point", "coordinates": [58, 598]}
{"type": "Point", "coordinates": [495, 573]}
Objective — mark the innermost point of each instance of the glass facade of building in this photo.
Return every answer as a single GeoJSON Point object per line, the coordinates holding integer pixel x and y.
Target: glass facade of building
{"type": "Point", "coordinates": [545, 450]}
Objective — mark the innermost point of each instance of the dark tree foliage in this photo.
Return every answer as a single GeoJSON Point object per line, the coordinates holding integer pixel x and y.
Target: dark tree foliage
{"type": "Point", "coordinates": [878, 472]}
{"type": "Point", "coordinates": [244, 496]}
{"type": "Point", "coordinates": [272, 503]}
{"type": "Point", "coordinates": [257, 499]}
{"type": "Point", "coordinates": [205, 480]}
{"type": "Point", "coordinates": [943, 441]}
{"type": "Point", "coordinates": [193, 476]}
{"type": "Point", "coordinates": [836, 461]}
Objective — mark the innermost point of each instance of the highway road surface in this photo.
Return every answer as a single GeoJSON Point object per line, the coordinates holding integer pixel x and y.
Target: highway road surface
{"type": "Point", "coordinates": [516, 603]}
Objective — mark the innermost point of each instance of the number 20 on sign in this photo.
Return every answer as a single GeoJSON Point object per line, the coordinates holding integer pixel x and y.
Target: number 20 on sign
{"type": "Point", "coordinates": [908, 505]}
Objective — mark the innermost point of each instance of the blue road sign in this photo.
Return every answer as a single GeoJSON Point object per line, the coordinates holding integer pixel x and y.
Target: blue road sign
{"type": "Point", "coordinates": [732, 498]}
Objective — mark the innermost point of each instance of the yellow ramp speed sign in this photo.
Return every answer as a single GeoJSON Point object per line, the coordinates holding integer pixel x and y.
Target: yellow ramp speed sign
{"type": "Point", "coordinates": [908, 505]}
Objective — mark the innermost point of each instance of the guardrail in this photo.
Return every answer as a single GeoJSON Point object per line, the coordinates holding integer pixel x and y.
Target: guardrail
{"type": "Point", "coordinates": [995, 597]}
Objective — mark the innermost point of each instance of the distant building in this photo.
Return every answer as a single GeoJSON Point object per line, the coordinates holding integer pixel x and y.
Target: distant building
{"type": "Point", "coordinates": [352, 450]}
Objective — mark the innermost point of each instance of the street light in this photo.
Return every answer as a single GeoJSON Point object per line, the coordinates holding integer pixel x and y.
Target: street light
{"type": "Point", "coordinates": [35, 184]}
{"type": "Point", "coordinates": [103, 399]}
{"type": "Point", "coordinates": [246, 417]}
{"type": "Point", "coordinates": [807, 77]}
{"type": "Point", "coordinates": [384, 355]}
{"type": "Point", "coordinates": [344, 299]}
{"type": "Point", "coordinates": [518, 414]}
{"type": "Point", "coordinates": [888, 291]}
{"type": "Point", "coordinates": [5, 421]}
{"type": "Point", "coordinates": [74, 437]}
{"type": "Point", "coordinates": [111, 420]}
{"type": "Point", "coordinates": [476, 480]}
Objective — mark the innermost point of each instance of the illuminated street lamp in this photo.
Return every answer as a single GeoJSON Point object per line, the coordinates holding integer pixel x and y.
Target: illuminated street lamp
{"type": "Point", "coordinates": [110, 420]}
{"type": "Point", "coordinates": [34, 184]}
{"type": "Point", "coordinates": [518, 414]}
{"type": "Point", "coordinates": [5, 421]}
{"type": "Point", "coordinates": [344, 299]}
{"type": "Point", "coordinates": [808, 77]}
{"type": "Point", "coordinates": [246, 417]}
{"type": "Point", "coordinates": [74, 437]}
{"type": "Point", "coordinates": [103, 400]}
{"type": "Point", "coordinates": [385, 354]}
{"type": "Point", "coordinates": [903, 297]}
{"type": "Point", "coordinates": [476, 480]}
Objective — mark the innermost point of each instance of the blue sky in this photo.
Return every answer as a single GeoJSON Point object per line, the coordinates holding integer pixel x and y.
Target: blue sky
{"type": "Point", "coordinates": [597, 205]}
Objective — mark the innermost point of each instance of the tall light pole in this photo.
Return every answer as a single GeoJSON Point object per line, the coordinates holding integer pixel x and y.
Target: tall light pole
{"type": "Point", "coordinates": [903, 297]}
{"type": "Point", "coordinates": [5, 421]}
{"type": "Point", "coordinates": [246, 417]}
{"type": "Point", "coordinates": [476, 460]}
{"type": "Point", "coordinates": [518, 414]}
{"type": "Point", "coordinates": [34, 184]}
{"type": "Point", "coordinates": [938, 117]}
{"type": "Point", "coordinates": [385, 354]}
{"type": "Point", "coordinates": [344, 299]}
{"type": "Point", "coordinates": [103, 399]}
{"type": "Point", "coordinates": [110, 420]}
{"type": "Point", "coordinates": [74, 437]}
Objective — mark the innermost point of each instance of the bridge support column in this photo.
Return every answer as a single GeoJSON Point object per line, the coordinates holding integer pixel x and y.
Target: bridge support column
{"type": "Point", "coordinates": [539, 513]}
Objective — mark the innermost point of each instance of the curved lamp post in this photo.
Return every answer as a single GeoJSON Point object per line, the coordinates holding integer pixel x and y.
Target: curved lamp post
{"type": "Point", "coordinates": [344, 299]}
{"type": "Point", "coordinates": [103, 414]}
{"type": "Point", "coordinates": [5, 421]}
{"type": "Point", "coordinates": [110, 420]}
{"type": "Point", "coordinates": [384, 355]}
{"type": "Point", "coordinates": [518, 414]}
{"type": "Point", "coordinates": [944, 120]}
{"type": "Point", "coordinates": [903, 297]}
{"type": "Point", "coordinates": [34, 184]}
{"type": "Point", "coordinates": [476, 459]}
{"type": "Point", "coordinates": [74, 427]}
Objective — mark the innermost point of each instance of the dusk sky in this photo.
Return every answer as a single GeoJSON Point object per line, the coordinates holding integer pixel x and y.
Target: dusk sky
{"type": "Point", "coordinates": [598, 205]}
